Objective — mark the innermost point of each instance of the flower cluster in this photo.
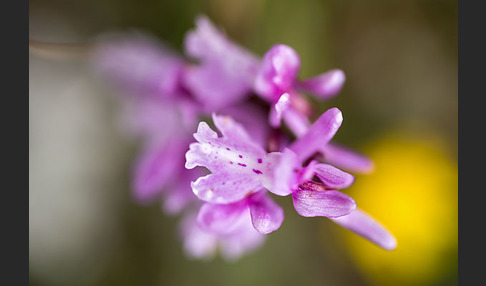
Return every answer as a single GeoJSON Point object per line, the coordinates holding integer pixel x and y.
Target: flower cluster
{"type": "Point", "coordinates": [227, 205]}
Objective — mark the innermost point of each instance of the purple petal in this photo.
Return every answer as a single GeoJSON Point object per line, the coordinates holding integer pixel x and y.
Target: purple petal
{"type": "Point", "coordinates": [278, 72]}
{"type": "Point", "coordinates": [179, 195]}
{"type": "Point", "coordinates": [220, 218]}
{"type": "Point", "coordinates": [322, 203]}
{"type": "Point", "coordinates": [232, 130]}
{"type": "Point", "coordinates": [251, 116]}
{"type": "Point", "coordinates": [325, 85]}
{"type": "Point", "coordinates": [225, 188]}
{"type": "Point", "coordinates": [238, 165]}
{"type": "Point", "coordinates": [176, 201]}
{"type": "Point", "coordinates": [241, 240]}
{"type": "Point", "coordinates": [346, 158]}
{"type": "Point", "coordinates": [319, 134]}
{"type": "Point", "coordinates": [148, 118]}
{"type": "Point", "coordinates": [332, 177]}
{"type": "Point", "coordinates": [197, 243]}
{"type": "Point", "coordinates": [266, 215]}
{"type": "Point", "coordinates": [156, 167]}
{"type": "Point", "coordinates": [364, 225]}
{"type": "Point", "coordinates": [285, 173]}
{"type": "Point", "coordinates": [277, 110]}
{"type": "Point", "coordinates": [225, 72]}
{"type": "Point", "coordinates": [296, 121]}
{"type": "Point", "coordinates": [139, 63]}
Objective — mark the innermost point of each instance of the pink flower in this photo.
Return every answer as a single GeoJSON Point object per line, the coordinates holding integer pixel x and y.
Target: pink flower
{"type": "Point", "coordinates": [242, 172]}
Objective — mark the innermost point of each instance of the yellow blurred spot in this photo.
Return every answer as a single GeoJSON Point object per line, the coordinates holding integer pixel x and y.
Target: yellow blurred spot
{"type": "Point", "coordinates": [413, 192]}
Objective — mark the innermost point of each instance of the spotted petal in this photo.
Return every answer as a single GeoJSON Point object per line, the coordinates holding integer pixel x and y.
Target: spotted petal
{"type": "Point", "coordinates": [238, 165]}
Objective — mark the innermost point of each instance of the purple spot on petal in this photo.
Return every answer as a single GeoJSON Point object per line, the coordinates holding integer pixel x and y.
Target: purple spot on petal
{"type": "Point", "coordinates": [257, 171]}
{"type": "Point", "coordinates": [231, 162]}
{"type": "Point", "coordinates": [228, 148]}
{"type": "Point", "coordinates": [260, 161]}
{"type": "Point", "coordinates": [243, 165]}
{"type": "Point", "coordinates": [240, 156]}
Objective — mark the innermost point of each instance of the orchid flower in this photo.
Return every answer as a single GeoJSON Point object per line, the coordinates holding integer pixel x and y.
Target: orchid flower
{"type": "Point", "coordinates": [241, 171]}
{"type": "Point", "coordinates": [228, 206]}
{"type": "Point", "coordinates": [277, 83]}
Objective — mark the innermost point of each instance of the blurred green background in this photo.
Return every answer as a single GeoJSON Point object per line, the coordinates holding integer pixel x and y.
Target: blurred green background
{"type": "Point", "coordinates": [399, 104]}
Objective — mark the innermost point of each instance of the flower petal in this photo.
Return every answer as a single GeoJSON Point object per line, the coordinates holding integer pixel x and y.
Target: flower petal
{"type": "Point", "coordinates": [139, 63]}
{"type": "Point", "coordinates": [198, 244]}
{"type": "Point", "coordinates": [277, 73]}
{"type": "Point", "coordinates": [148, 118]}
{"type": "Point", "coordinates": [322, 203]}
{"type": "Point", "coordinates": [225, 187]}
{"type": "Point", "coordinates": [319, 134]}
{"type": "Point", "coordinates": [332, 177]}
{"type": "Point", "coordinates": [296, 121]}
{"type": "Point", "coordinates": [347, 159]}
{"type": "Point", "coordinates": [325, 85]}
{"type": "Point", "coordinates": [277, 110]}
{"type": "Point", "coordinates": [178, 195]}
{"type": "Point", "coordinates": [239, 166]}
{"type": "Point", "coordinates": [232, 130]}
{"type": "Point", "coordinates": [251, 116]}
{"type": "Point", "coordinates": [156, 167]}
{"type": "Point", "coordinates": [242, 240]}
{"type": "Point", "coordinates": [266, 215]}
{"type": "Point", "coordinates": [225, 72]}
{"type": "Point", "coordinates": [364, 225]}
{"type": "Point", "coordinates": [220, 218]}
{"type": "Point", "coordinates": [285, 173]}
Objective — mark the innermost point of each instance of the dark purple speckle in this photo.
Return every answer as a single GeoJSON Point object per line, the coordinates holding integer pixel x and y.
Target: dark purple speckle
{"type": "Point", "coordinates": [228, 148]}
{"type": "Point", "coordinates": [257, 171]}
{"type": "Point", "coordinates": [240, 156]}
{"type": "Point", "coordinates": [243, 165]}
{"type": "Point", "coordinates": [260, 161]}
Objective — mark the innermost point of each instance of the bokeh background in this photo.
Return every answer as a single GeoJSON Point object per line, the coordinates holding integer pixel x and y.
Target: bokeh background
{"type": "Point", "coordinates": [399, 105]}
